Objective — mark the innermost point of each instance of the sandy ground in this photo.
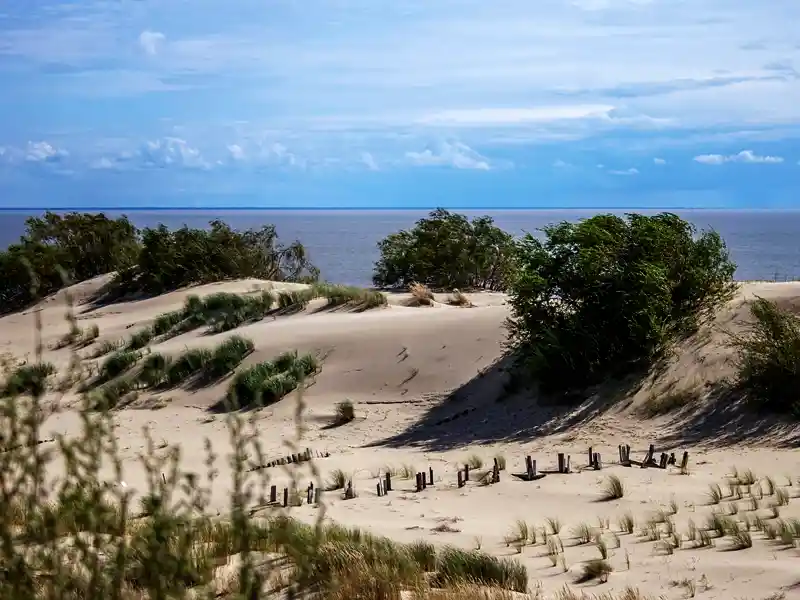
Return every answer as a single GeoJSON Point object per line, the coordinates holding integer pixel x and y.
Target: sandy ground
{"type": "Point", "coordinates": [410, 370]}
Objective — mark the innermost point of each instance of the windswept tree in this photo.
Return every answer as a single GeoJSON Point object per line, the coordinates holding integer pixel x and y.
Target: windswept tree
{"type": "Point", "coordinates": [607, 296]}
{"type": "Point", "coordinates": [75, 247]}
{"type": "Point", "coordinates": [445, 251]}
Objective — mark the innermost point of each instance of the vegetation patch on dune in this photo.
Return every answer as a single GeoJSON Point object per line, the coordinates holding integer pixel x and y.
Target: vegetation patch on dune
{"type": "Point", "coordinates": [57, 250]}
{"type": "Point", "coordinates": [445, 251]}
{"type": "Point", "coordinates": [608, 296]}
{"type": "Point", "coordinates": [29, 379]}
{"type": "Point", "coordinates": [768, 358]}
{"type": "Point", "coordinates": [267, 382]}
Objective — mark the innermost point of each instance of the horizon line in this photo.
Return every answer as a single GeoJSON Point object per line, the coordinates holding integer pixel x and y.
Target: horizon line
{"type": "Point", "coordinates": [378, 208]}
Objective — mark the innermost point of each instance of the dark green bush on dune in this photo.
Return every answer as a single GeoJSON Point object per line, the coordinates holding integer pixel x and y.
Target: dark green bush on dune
{"type": "Point", "coordinates": [446, 251]}
{"type": "Point", "coordinates": [768, 358]}
{"type": "Point", "coordinates": [607, 296]}
{"type": "Point", "coordinates": [58, 249]}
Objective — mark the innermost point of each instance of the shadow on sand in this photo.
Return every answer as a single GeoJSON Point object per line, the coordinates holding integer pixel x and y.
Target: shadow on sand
{"type": "Point", "coordinates": [485, 410]}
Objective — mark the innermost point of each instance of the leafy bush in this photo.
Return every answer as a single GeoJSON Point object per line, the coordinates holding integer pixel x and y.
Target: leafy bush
{"type": "Point", "coordinates": [72, 247]}
{"type": "Point", "coordinates": [768, 357]}
{"type": "Point", "coordinates": [154, 369]}
{"type": "Point", "coordinates": [187, 365]}
{"type": "Point", "coordinates": [29, 379]}
{"type": "Point", "coordinates": [61, 249]}
{"type": "Point", "coordinates": [267, 382]}
{"type": "Point", "coordinates": [607, 296]}
{"type": "Point", "coordinates": [446, 251]}
{"type": "Point", "coordinates": [345, 412]}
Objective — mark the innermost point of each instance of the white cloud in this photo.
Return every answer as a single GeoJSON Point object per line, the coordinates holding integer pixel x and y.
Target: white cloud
{"type": "Point", "coordinates": [631, 171]}
{"type": "Point", "coordinates": [369, 161]}
{"type": "Point", "coordinates": [151, 41]}
{"type": "Point", "coordinates": [659, 161]}
{"type": "Point", "coordinates": [745, 156]}
{"type": "Point", "coordinates": [168, 152]}
{"type": "Point", "coordinates": [560, 164]}
{"type": "Point", "coordinates": [43, 152]}
{"type": "Point", "coordinates": [236, 152]}
{"type": "Point", "coordinates": [449, 154]}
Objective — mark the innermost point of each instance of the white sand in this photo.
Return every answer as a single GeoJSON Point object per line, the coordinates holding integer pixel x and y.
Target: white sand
{"type": "Point", "coordinates": [398, 364]}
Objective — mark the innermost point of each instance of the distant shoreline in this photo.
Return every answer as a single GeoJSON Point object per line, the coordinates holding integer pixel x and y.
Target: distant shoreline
{"type": "Point", "coordinates": [198, 209]}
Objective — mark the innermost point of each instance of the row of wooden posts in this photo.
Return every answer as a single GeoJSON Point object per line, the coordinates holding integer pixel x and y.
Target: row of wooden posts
{"type": "Point", "coordinates": [423, 479]}
{"type": "Point", "coordinates": [663, 462]}
{"type": "Point", "coordinates": [292, 458]}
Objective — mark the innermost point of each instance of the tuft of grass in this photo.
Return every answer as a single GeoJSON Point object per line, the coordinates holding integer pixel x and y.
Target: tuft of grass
{"type": "Point", "coordinates": [343, 295]}
{"type": "Point", "coordinates": [118, 363]}
{"type": "Point", "coordinates": [475, 462]}
{"type": "Point", "coordinates": [188, 365]}
{"type": "Point", "coordinates": [598, 569]}
{"type": "Point", "coordinates": [455, 565]}
{"type": "Point", "coordinates": [554, 524]}
{"type": "Point", "coordinates": [154, 370]}
{"type": "Point", "coordinates": [344, 412]}
{"type": "Point", "coordinates": [582, 533]}
{"type": "Point", "coordinates": [714, 494]}
{"type": "Point", "coordinates": [421, 295]}
{"type": "Point", "coordinates": [337, 480]}
{"type": "Point", "coordinates": [613, 489]}
{"type": "Point", "coordinates": [29, 379]}
{"type": "Point", "coordinates": [458, 298]}
{"type": "Point", "coordinates": [626, 523]}
{"type": "Point", "coordinates": [226, 357]}
{"type": "Point", "coordinates": [139, 339]}
{"type": "Point", "coordinates": [501, 461]}
{"type": "Point", "coordinates": [267, 382]}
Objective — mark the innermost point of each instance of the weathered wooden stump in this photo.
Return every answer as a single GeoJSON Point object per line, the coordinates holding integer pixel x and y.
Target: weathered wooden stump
{"type": "Point", "coordinates": [349, 493]}
{"type": "Point", "coordinates": [664, 460]}
{"type": "Point", "coordinates": [671, 460]}
{"type": "Point", "coordinates": [317, 495]}
{"type": "Point", "coordinates": [460, 479]}
{"type": "Point", "coordinates": [625, 455]}
{"type": "Point", "coordinates": [561, 462]}
{"type": "Point", "coordinates": [496, 473]}
{"type": "Point", "coordinates": [597, 462]}
{"type": "Point", "coordinates": [285, 497]}
{"type": "Point", "coordinates": [466, 472]}
{"type": "Point", "coordinates": [430, 475]}
{"type": "Point", "coordinates": [379, 489]}
{"type": "Point", "coordinates": [387, 484]}
{"type": "Point", "coordinates": [685, 461]}
{"type": "Point", "coordinates": [273, 494]}
{"type": "Point", "coordinates": [310, 493]}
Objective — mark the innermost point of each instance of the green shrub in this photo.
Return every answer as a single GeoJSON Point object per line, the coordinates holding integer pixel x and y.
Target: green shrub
{"type": "Point", "coordinates": [140, 339]}
{"type": "Point", "coordinates": [154, 369]}
{"type": "Point", "coordinates": [345, 412]}
{"type": "Point", "coordinates": [768, 357]}
{"type": "Point", "coordinates": [446, 251]}
{"type": "Point", "coordinates": [187, 365]}
{"type": "Point", "coordinates": [265, 383]}
{"type": "Point", "coordinates": [607, 296]}
{"type": "Point", "coordinates": [455, 565]}
{"type": "Point", "coordinates": [118, 363]}
{"type": "Point", "coordinates": [29, 379]}
{"type": "Point", "coordinates": [165, 322]}
{"type": "Point", "coordinates": [227, 356]}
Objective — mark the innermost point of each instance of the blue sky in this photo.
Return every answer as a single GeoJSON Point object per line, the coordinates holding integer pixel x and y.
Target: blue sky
{"type": "Point", "coordinates": [409, 103]}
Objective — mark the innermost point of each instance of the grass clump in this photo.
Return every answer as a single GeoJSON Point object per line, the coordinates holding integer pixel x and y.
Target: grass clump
{"type": "Point", "coordinates": [188, 365]}
{"type": "Point", "coordinates": [267, 382]}
{"type": "Point", "coordinates": [344, 295]}
{"type": "Point", "coordinates": [344, 412]}
{"type": "Point", "coordinates": [118, 363]}
{"type": "Point", "coordinates": [595, 569]}
{"type": "Point", "coordinates": [768, 357]}
{"type": "Point", "coordinates": [226, 357]}
{"type": "Point", "coordinates": [613, 489]}
{"type": "Point", "coordinates": [29, 379]}
{"type": "Point", "coordinates": [454, 565]}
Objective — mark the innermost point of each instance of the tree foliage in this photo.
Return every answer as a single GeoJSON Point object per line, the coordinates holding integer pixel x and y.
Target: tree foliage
{"type": "Point", "coordinates": [768, 357]}
{"type": "Point", "coordinates": [79, 246]}
{"type": "Point", "coordinates": [446, 251]}
{"type": "Point", "coordinates": [608, 295]}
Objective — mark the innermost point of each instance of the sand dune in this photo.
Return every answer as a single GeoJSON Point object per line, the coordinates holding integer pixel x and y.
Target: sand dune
{"type": "Point", "coordinates": [410, 371]}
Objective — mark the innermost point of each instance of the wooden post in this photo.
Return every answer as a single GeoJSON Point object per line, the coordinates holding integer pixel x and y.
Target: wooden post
{"type": "Point", "coordinates": [650, 452]}
{"type": "Point", "coordinates": [460, 479]}
{"type": "Point", "coordinates": [430, 473]}
{"type": "Point", "coordinates": [273, 494]}
{"type": "Point", "coordinates": [423, 479]}
{"type": "Point", "coordinates": [496, 473]}
{"type": "Point", "coordinates": [388, 482]}
{"type": "Point", "coordinates": [685, 461]}
{"type": "Point", "coordinates": [591, 457]}
{"type": "Point", "coordinates": [466, 472]}
{"type": "Point", "coordinates": [317, 495]}
{"type": "Point", "coordinates": [348, 492]}
{"type": "Point", "coordinates": [566, 466]}
{"type": "Point", "coordinates": [528, 468]}
{"type": "Point", "coordinates": [418, 486]}
{"type": "Point", "coordinates": [664, 459]}
{"type": "Point", "coordinates": [560, 462]}
{"type": "Point", "coordinates": [310, 493]}
{"type": "Point", "coordinates": [671, 460]}
{"type": "Point", "coordinates": [379, 489]}
{"type": "Point", "coordinates": [285, 497]}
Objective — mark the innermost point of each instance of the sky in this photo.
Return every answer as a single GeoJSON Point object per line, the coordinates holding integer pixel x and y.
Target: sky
{"type": "Point", "coordinates": [408, 103]}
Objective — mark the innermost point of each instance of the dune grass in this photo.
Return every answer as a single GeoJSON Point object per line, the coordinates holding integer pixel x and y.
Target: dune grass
{"type": "Point", "coordinates": [30, 379]}
{"type": "Point", "coordinates": [613, 489]}
{"type": "Point", "coordinates": [267, 382]}
{"type": "Point", "coordinates": [344, 413]}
